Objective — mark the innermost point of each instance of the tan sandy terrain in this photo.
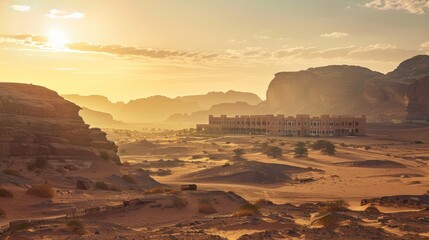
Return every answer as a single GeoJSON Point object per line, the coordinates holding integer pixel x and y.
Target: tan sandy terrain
{"type": "Point", "coordinates": [300, 194]}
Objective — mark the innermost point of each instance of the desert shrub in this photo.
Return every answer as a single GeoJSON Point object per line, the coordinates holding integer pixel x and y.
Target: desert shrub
{"type": "Point", "coordinates": [197, 156]}
{"type": "Point", "coordinates": [226, 165]}
{"type": "Point", "coordinates": [206, 207]}
{"type": "Point", "coordinates": [179, 203]}
{"type": "Point", "coordinates": [300, 150]}
{"type": "Point", "coordinates": [2, 213]}
{"type": "Point", "coordinates": [274, 152]}
{"type": "Point", "coordinates": [38, 163]}
{"type": "Point", "coordinates": [228, 142]}
{"type": "Point", "coordinates": [333, 206]}
{"type": "Point", "coordinates": [42, 190]}
{"type": "Point", "coordinates": [77, 227]}
{"type": "Point", "coordinates": [104, 186]}
{"type": "Point", "coordinates": [158, 190]}
{"type": "Point", "coordinates": [368, 147]}
{"type": "Point", "coordinates": [247, 209]}
{"type": "Point", "coordinates": [114, 188]}
{"type": "Point", "coordinates": [11, 172]}
{"type": "Point", "coordinates": [328, 220]}
{"type": "Point", "coordinates": [104, 155]}
{"type": "Point", "coordinates": [418, 142]}
{"type": "Point", "coordinates": [238, 153]}
{"type": "Point", "coordinates": [325, 146]}
{"type": "Point", "coordinates": [130, 179]}
{"type": "Point", "coordinates": [101, 185]}
{"type": "Point", "coordinates": [5, 193]}
{"type": "Point", "coordinates": [263, 202]}
{"type": "Point", "coordinates": [343, 145]}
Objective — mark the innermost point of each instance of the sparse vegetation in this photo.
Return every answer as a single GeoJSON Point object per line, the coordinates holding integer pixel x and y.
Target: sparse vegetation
{"type": "Point", "coordinates": [247, 209]}
{"type": "Point", "coordinates": [325, 146]}
{"type": "Point", "coordinates": [206, 207]}
{"type": "Point", "coordinates": [263, 202]}
{"type": "Point", "coordinates": [368, 148]}
{"type": "Point", "coordinates": [274, 152]}
{"type": "Point", "coordinates": [104, 186]}
{"type": "Point", "coordinates": [238, 153]}
{"type": "Point", "coordinates": [11, 172]}
{"type": "Point", "coordinates": [42, 190]}
{"type": "Point", "coordinates": [418, 142]}
{"type": "Point", "coordinates": [328, 220]}
{"type": "Point", "coordinates": [300, 150]}
{"type": "Point", "coordinates": [333, 206]}
{"type": "Point", "coordinates": [4, 193]}
{"type": "Point", "coordinates": [130, 178]}
{"type": "Point", "coordinates": [226, 165]}
{"type": "Point", "coordinates": [101, 185]}
{"type": "Point", "coordinates": [77, 227]}
{"type": "Point", "coordinates": [179, 202]}
{"type": "Point", "coordinates": [38, 163]}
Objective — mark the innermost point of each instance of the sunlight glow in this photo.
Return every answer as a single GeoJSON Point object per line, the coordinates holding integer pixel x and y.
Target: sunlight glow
{"type": "Point", "coordinates": [57, 39]}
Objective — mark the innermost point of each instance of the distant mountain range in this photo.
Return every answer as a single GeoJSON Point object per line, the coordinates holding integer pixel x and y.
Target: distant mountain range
{"type": "Point", "coordinates": [338, 89]}
{"type": "Point", "coordinates": [156, 108]}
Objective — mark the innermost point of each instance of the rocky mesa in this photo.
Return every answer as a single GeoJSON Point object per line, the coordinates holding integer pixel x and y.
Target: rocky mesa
{"type": "Point", "coordinates": [37, 121]}
{"type": "Point", "coordinates": [353, 90]}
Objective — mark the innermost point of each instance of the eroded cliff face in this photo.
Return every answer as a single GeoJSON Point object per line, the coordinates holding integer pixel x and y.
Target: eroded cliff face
{"type": "Point", "coordinates": [37, 121]}
{"type": "Point", "coordinates": [352, 90]}
{"type": "Point", "coordinates": [418, 95]}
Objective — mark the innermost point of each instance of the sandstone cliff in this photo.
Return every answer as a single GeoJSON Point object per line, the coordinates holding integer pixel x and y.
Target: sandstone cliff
{"type": "Point", "coordinates": [352, 90]}
{"type": "Point", "coordinates": [37, 121]}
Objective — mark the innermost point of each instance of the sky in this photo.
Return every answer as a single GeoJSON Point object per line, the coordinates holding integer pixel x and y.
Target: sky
{"type": "Point", "coordinates": [132, 49]}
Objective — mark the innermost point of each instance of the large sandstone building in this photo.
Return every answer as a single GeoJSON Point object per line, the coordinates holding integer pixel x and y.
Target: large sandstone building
{"type": "Point", "coordinates": [301, 125]}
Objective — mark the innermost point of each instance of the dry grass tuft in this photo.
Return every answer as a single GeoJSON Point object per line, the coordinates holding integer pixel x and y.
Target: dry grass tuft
{"type": "Point", "coordinates": [130, 179]}
{"type": "Point", "coordinates": [11, 172]}
{"type": "Point", "coordinates": [333, 206]}
{"type": "Point", "coordinates": [42, 190]}
{"type": "Point", "coordinates": [5, 193]}
{"type": "Point", "coordinates": [247, 209]}
{"type": "Point", "coordinates": [77, 227]}
{"type": "Point", "coordinates": [179, 202]}
{"type": "Point", "coordinates": [328, 220]}
{"type": "Point", "coordinates": [206, 207]}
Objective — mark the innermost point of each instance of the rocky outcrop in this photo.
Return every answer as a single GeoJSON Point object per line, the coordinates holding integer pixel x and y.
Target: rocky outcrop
{"type": "Point", "coordinates": [37, 121]}
{"type": "Point", "coordinates": [418, 98]}
{"type": "Point", "coordinates": [352, 90]}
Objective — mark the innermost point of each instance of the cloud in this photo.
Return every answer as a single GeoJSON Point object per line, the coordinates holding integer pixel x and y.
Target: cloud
{"type": "Point", "coordinates": [263, 37]}
{"type": "Point", "coordinates": [412, 6]}
{"type": "Point", "coordinates": [373, 52]}
{"type": "Point", "coordinates": [28, 39]}
{"type": "Point", "coordinates": [425, 45]}
{"type": "Point", "coordinates": [139, 52]}
{"type": "Point", "coordinates": [59, 14]}
{"type": "Point", "coordinates": [237, 41]}
{"type": "Point", "coordinates": [334, 35]}
{"type": "Point", "coordinates": [21, 8]}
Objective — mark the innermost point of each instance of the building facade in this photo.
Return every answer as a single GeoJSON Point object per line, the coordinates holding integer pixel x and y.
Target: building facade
{"type": "Point", "coordinates": [279, 125]}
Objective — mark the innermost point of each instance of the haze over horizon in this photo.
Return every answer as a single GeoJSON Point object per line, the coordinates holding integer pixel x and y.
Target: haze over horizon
{"type": "Point", "coordinates": [133, 49]}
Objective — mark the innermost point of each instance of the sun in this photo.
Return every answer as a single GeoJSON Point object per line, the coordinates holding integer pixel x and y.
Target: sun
{"type": "Point", "coordinates": [57, 39]}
